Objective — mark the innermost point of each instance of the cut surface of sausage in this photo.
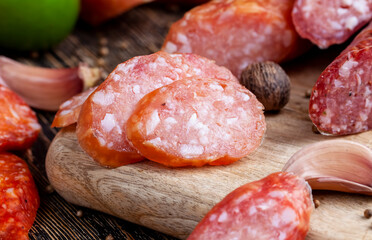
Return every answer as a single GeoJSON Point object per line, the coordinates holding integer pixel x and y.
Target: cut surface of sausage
{"type": "Point", "coordinates": [101, 125]}
{"type": "Point", "coordinates": [69, 111]}
{"type": "Point", "coordinates": [332, 21]}
{"type": "Point", "coordinates": [236, 33]}
{"type": "Point", "coordinates": [19, 198]}
{"type": "Point", "coordinates": [19, 127]}
{"type": "Point", "coordinates": [193, 122]}
{"type": "Point", "coordinates": [341, 100]}
{"type": "Point", "coordinates": [276, 207]}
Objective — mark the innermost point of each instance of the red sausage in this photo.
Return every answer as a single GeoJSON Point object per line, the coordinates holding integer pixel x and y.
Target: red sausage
{"type": "Point", "coordinates": [193, 122]}
{"type": "Point", "coordinates": [236, 33]}
{"type": "Point", "coordinates": [69, 111]}
{"type": "Point", "coordinates": [97, 11]}
{"type": "Point", "coordinates": [341, 100]}
{"type": "Point", "coordinates": [331, 21]}
{"type": "Point", "coordinates": [19, 199]}
{"type": "Point", "coordinates": [101, 125]}
{"type": "Point", "coordinates": [19, 127]}
{"type": "Point", "coordinates": [276, 207]}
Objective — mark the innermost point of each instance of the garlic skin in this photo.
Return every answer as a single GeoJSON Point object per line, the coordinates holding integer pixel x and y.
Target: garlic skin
{"type": "Point", "coordinates": [338, 165]}
{"type": "Point", "coordinates": [45, 88]}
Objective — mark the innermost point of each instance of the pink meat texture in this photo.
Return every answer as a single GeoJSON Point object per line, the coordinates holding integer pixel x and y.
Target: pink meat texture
{"type": "Point", "coordinates": [101, 125]}
{"type": "Point", "coordinates": [193, 122]}
{"type": "Point", "coordinates": [330, 22]}
{"type": "Point", "coordinates": [68, 112]}
{"type": "Point", "coordinates": [276, 207]}
{"type": "Point", "coordinates": [18, 197]}
{"type": "Point", "coordinates": [236, 33]}
{"type": "Point", "coordinates": [19, 127]}
{"type": "Point", "coordinates": [341, 100]}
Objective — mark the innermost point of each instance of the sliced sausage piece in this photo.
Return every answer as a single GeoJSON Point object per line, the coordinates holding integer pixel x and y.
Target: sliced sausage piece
{"type": "Point", "coordinates": [332, 21]}
{"type": "Point", "coordinates": [19, 127]}
{"type": "Point", "coordinates": [236, 33]}
{"type": "Point", "coordinates": [69, 111]}
{"type": "Point", "coordinates": [276, 207]}
{"type": "Point", "coordinates": [19, 199]}
{"type": "Point", "coordinates": [341, 100]}
{"type": "Point", "coordinates": [193, 122]}
{"type": "Point", "coordinates": [101, 125]}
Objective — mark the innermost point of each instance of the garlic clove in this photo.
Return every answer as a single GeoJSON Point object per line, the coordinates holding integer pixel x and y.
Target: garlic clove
{"type": "Point", "coordinates": [338, 165]}
{"type": "Point", "coordinates": [45, 88]}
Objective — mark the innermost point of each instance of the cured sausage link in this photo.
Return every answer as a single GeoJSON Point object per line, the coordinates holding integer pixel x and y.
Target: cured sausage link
{"type": "Point", "coordinates": [330, 22]}
{"type": "Point", "coordinates": [19, 127]}
{"type": "Point", "coordinates": [236, 33]}
{"type": "Point", "coordinates": [341, 100]}
{"type": "Point", "coordinates": [19, 198]}
{"type": "Point", "coordinates": [96, 12]}
{"type": "Point", "coordinates": [276, 207]}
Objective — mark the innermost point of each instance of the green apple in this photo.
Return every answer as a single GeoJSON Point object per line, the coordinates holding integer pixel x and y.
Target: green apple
{"type": "Point", "coordinates": [36, 24]}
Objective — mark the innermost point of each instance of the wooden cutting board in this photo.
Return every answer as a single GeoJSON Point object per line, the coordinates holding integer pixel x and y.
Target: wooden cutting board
{"type": "Point", "coordinates": [173, 201]}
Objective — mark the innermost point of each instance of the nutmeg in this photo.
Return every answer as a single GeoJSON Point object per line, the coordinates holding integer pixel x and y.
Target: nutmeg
{"type": "Point", "coordinates": [269, 82]}
{"type": "Point", "coordinates": [368, 213]}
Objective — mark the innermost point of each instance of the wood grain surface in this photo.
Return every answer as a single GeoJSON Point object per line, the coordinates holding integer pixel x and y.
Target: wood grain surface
{"type": "Point", "coordinates": [174, 200]}
{"type": "Point", "coordinates": [142, 31]}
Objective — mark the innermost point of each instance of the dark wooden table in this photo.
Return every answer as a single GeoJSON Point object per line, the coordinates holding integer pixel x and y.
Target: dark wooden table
{"type": "Point", "coordinates": [138, 32]}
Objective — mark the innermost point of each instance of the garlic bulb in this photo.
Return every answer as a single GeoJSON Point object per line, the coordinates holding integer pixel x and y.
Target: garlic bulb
{"type": "Point", "coordinates": [339, 165]}
{"type": "Point", "coordinates": [45, 88]}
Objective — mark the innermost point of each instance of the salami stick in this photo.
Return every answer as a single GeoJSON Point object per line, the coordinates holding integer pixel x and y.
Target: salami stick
{"type": "Point", "coordinates": [96, 12]}
{"type": "Point", "coordinates": [341, 100]}
{"type": "Point", "coordinates": [332, 21]}
{"type": "Point", "coordinates": [236, 33]}
{"type": "Point", "coordinates": [18, 197]}
{"type": "Point", "coordinates": [276, 207]}
{"type": "Point", "coordinates": [19, 127]}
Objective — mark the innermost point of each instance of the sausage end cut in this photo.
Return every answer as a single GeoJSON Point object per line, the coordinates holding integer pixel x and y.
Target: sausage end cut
{"type": "Point", "coordinates": [330, 22]}
{"type": "Point", "coordinates": [19, 127]}
{"type": "Point", "coordinates": [236, 33]}
{"type": "Point", "coordinates": [19, 198]}
{"type": "Point", "coordinates": [276, 207]}
{"type": "Point", "coordinates": [341, 100]}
